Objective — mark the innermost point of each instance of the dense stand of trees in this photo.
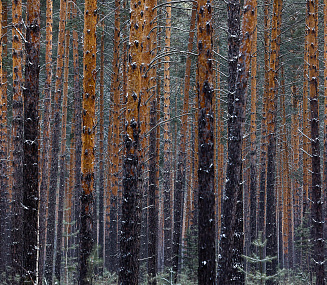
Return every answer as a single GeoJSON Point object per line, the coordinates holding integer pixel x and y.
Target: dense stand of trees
{"type": "Point", "coordinates": [163, 141]}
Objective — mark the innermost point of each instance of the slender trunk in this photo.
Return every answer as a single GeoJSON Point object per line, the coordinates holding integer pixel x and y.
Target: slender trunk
{"type": "Point", "coordinates": [77, 135]}
{"type": "Point", "coordinates": [31, 131]}
{"type": "Point", "coordinates": [114, 146]}
{"type": "Point", "coordinates": [264, 143]}
{"type": "Point", "coordinates": [55, 135]}
{"type": "Point", "coordinates": [88, 139]}
{"type": "Point", "coordinates": [325, 121]}
{"type": "Point", "coordinates": [316, 214]}
{"type": "Point", "coordinates": [253, 128]}
{"type": "Point", "coordinates": [62, 162]}
{"type": "Point", "coordinates": [4, 171]}
{"type": "Point", "coordinates": [131, 212]}
{"type": "Point", "coordinates": [271, 222]}
{"type": "Point", "coordinates": [69, 206]}
{"type": "Point", "coordinates": [44, 188]}
{"type": "Point", "coordinates": [287, 194]}
{"type": "Point", "coordinates": [168, 247]}
{"type": "Point", "coordinates": [101, 154]}
{"type": "Point", "coordinates": [17, 144]}
{"type": "Point", "coordinates": [181, 166]}
{"type": "Point", "coordinates": [206, 174]}
{"type": "Point", "coordinates": [149, 81]}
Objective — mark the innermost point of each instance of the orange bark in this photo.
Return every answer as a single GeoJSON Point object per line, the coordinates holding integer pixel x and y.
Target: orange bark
{"type": "Point", "coordinates": [88, 135]}
{"type": "Point", "coordinates": [185, 133]}
{"type": "Point", "coordinates": [17, 139]}
{"type": "Point", "coordinates": [130, 231]}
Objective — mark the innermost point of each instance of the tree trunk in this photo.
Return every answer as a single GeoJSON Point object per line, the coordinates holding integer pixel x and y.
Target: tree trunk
{"type": "Point", "coordinates": [271, 222]}
{"type": "Point", "coordinates": [184, 130]}
{"type": "Point", "coordinates": [77, 137]}
{"type": "Point", "coordinates": [253, 128]}
{"type": "Point", "coordinates": [62, 161]}
{"type": "Point", "coordinates": [31, 130]}
{"type": "Point", "coordinates": [17, 145]}
{"type": "Point", "coordinates": [101, 153]}
{"type": "Point", "coordinates": [239, 62]}
{"type": "Point", "coordinates": [149, 82]}
{"type": "Point", "coordinates": [130, 228]}
{"type": "Point", "coordinates": [206, 174]}
{"type": "Point", "coordinates": [44, 188]}
{"type": "Point", "coordinates": [316, 214]}
{"type": "Point", "coordinates": [168, 225]}
{"type": "Point", "coordinates": [4, 134]}
{"type": "Point", "coordinates": [55, 135]}
{"type": "Point", "coordinates": [88, 139]}
{"type": "Point", "coordinates": [112, 240]}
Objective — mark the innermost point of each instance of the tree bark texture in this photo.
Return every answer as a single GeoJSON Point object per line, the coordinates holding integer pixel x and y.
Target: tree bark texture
{"type": "Point", "coordinates": [4, 134]}
{"type": "Point", "coordinates": [31, 131]}
{"type": "Point", "coordinates": [112, 238]}
{"type": "Point", "coordinates": [62, 161]}
{"type": "Point", "coordinates": [239, 50]}
{"type": "Point", "coordinates": [77, 134]}
{"type": "Point", "coordinates": [206, 192]}
{"type": "Point", "coordinates": [44, 187]}
{"type": "Point", "coordinates": [131, 211]}
{"type": "Point", "coordinates": [168, 216]}
{"type": "Point", "coordinates": [316, 208]}
{"type": "Point", "coordinates": [88, 140]}
{"type": "Point", "coordinates": [149, 77]}
{"type": "Point", "coordinates": [17, 144]}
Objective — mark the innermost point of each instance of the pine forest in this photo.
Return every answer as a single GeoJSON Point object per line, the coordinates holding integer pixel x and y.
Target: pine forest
{"type": "Point", "coordinates": [163, 142]}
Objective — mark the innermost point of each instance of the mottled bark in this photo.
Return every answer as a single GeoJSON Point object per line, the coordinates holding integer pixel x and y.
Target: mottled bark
{"type": "Point", "coordinates": [316, 203]}
{"type": "Point", "coordinates": [239, 50]}
{"type": "Point", "coordinates": [4, 138]}
{"type": "Point", "coordinates": [77, 134]}
{"type": "Point", "coordinates": [17, 144]}
{"type": "Point", "coordinates": [131, 212]}
{"type": "Point", "coordinates": [44, 188]}
{"type": "Point", "coordinates": [148, 83]}
{"type": "Point", "coordinates": [253, 129]}
{"type": "Point", "coordinates": [101, 153]}
{"type": "Point", "coordinates": [88, 140]}
{"type": "Point", "coordinates": [206, 193]}
{"type": "Point", "coordinates": [168, 225]}
{"type": "Point", "coordinates": [31, 130]}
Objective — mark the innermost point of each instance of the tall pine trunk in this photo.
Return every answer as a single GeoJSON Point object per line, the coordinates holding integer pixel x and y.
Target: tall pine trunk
{"type": "Point", "coordinates": [316, 207]}
{"type": "Point", "coordinates": [130, 228]}
{"type": "Point", "coordinates": [271, 222]}
{"type": "Point", "coordinates": [113, 146]}
{"type": "Point", "coordinates": [148, 82]}
{"type": "Point", "coordinates": [62, 162]}
{"type": "Point", "coordinates": [44, 187]}
{"type": "Point", "coordinates": [31, 132]}
{"type": "Point", "coordinates": [239, 50]}
{"type": "Point", "coordinates": [206, 174]}
{"type": "Point", "coordinates": [55, 135]}
{"type": "Point", "coordinates": [4, 138]}
{"type": "Point", "coordinates": [167, 189]}
{"type": "Point", "coordinates": [88, 140]}
{"type": "Point", "coordinates": [17, 145]}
